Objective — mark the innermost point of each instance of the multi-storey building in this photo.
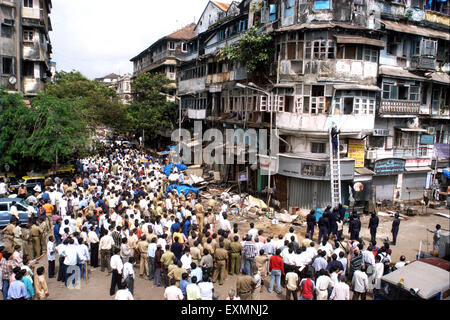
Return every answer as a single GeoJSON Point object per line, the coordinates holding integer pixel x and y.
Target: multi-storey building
{"type": "Point", "coordinates": [124, 88]}
{"type": "Point", "coordinates": [378, 70]}
{"type": "Point", "coordinates": [164, 55]}
{"type": "Point", "coordinates": [111, 81]}
{"type": "Point", "coordinates": [25, 46]}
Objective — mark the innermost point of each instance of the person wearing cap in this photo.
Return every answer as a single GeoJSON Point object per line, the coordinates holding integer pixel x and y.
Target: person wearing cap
{"type": "Point", "coordinates": [245, 285]}
{"type": "Point", "coordinates": [395, 228]}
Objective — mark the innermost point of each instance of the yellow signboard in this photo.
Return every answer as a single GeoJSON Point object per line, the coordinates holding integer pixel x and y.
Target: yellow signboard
{"type": "Point", "coordinates": [356, 150]}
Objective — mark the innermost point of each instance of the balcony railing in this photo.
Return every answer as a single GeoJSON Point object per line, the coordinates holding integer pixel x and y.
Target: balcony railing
{"type": "Point", "coordinates": [423, 63]}
{"type": "Point", "coordinates": [399, 107]}
{"type": "Point", "coordinates": [410, 153]}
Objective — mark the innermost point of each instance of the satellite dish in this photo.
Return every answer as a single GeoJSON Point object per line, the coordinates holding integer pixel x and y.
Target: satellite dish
{"type": "Point", "coordinates": [12, 80]}
{"type": "Point", "coordinates": [358, 187]}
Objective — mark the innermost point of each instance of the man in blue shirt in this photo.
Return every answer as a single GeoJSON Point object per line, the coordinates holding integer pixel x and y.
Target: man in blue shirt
{"type": "Point", "coordinates": [56, 230]}
{"type": "Point", "coordinates": [196, 271]}
{"type": "Point", "coordinates": [28, 285]}
{"type": "Point", "coordinates": [17, 289]}
{"type": "Point", "coordinates": [184, 283]}
{"type": "Point", "coordinates": [320, 262]}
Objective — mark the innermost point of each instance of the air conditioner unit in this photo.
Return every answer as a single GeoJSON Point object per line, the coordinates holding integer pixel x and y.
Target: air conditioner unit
{"type": "Point", "coordinates": [371, 154]}
{"type": "Point", "coordinates": [431, 130]}
{"type": "Point", "coordinates": [343, 148]}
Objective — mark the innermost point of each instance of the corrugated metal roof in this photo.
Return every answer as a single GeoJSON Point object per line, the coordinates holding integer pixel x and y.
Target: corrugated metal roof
{"type": "Point", "coordinates": [360, 40]}
{"type": "Point", "coordinates": [413, 29]}
{"type": "Point", "coordinates": [440, 77]}
{"type": "Point", "coordinates": [399, 73]}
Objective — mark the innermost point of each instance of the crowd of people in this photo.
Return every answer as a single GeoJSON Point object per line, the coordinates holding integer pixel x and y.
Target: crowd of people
{"type": "Point", "coordinates": [116, 214]}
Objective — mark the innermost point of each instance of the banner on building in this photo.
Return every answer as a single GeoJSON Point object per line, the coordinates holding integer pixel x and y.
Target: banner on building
{"type": "Point", "coordinates": [387, 167]}
{"type": "Point", "coordinates": [426, 139]}
{"type": "Point", "coordinates": [442, 150]}
{"type": "Point", "coordinates": [356, 150]}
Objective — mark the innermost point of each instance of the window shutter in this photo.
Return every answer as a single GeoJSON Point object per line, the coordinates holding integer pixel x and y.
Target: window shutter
{"type": "Point", "coordinates": [280, 104]}
{"type": "Point", "coordinates": [298, 104]}
{"type": "Point", "coordinates": [307, 90]}
{"type": "Point", "coordinates": [263, 103]}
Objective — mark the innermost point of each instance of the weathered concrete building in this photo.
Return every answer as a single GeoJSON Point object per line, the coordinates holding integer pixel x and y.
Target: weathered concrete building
{"type": "Point", "coordinates": [378, 70]}
{"type": "Point", "coordinates": [25, 45]}
{"type": "Point", "coordinates": [124, 88]}
{"type": "Point", "coordinates": [164, 55]}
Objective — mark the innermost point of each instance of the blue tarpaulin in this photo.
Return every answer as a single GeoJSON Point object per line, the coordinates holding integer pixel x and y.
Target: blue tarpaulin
{"type": "Point", "coordinates": [322, 5]}
{"type": "Point", "coordinates": [186, 188]}
{"type": "Point", "coordinates": [168, 169]}
{"type": "Point", "coordinates": [446, 173]}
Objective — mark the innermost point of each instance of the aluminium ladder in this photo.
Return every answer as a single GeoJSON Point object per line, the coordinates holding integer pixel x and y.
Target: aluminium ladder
{"type": "Point", "coordinates": [335, 174]}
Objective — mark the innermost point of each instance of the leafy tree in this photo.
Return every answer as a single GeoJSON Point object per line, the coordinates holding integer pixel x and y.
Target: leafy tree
{"type": "Point", "coordinates": [16, 121]}
{"type": "Point", "coordinates": [254, 51]}
{"type": "Point", "coordinates": [57, 129]}
{"type": "Point", "coordinates": [99, 105]}
{"type": "Point", "coordinates": [151, 111]}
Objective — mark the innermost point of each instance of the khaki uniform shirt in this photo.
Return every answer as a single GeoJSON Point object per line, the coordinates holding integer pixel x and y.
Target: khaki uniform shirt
{"type": "Point", "coordinates": [245, 283]}
{"type": "Point", "coordinates": [235, 247]}
{"type": "Point", "coordinates": [221, 254]}
{"type": "Point", "coordinates": [167, 258]}
{"type": "Point", "coordinates": [143, 247]}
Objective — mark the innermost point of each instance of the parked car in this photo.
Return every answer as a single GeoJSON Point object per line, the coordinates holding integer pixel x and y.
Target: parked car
{"type": "Point", "coordinates": [424, 279]}
{"type": "Point", "coordinates": [25, 211]}
{"type": "Point", "coordinates": [29, 182]}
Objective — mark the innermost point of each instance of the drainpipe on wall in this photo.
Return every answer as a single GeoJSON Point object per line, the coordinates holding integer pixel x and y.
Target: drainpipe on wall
{"type": "Point", "coordinates": [19, 47]}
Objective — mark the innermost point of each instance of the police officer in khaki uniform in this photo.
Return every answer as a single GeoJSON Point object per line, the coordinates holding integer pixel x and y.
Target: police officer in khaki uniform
{"type": "Point", "coordinates": [27, 244]}
{"type": "Point", "coordinates": [36, 240]}
{"type": "Point", "coordinates": [235, 250]}
{"type": "Point", "coordinates": [8, 231]}
{"type": "Point", "coordinates": [166, 260]}
{"type": "Point", "coordinates": [176, 272]}
{"type": "Point", "coordinates": [245, 285]}
{"type": "Point", "coordinates": [200, 214]}
{"type": "Point", "coordinates": [43, 226]}
{"type": "Point", "coordinates": [220, 264]}
{"type": "Point", "coordinates": [142, 247]}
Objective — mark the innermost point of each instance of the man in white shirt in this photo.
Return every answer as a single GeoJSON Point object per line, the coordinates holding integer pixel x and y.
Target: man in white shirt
{"type": "Point", "coordinates": [3, 189]}
{"type": "Point", "coordinates": [341, 290]}
{"type": "Point", "coordinates": [173, 292]}
{"type": "Point", "coordinates": [116, 267]}
{"type": "Point", "coordinates": [206, 288]}
{"type": "Point", "coordinates": [71, 257]}
{"type": "Point", "coordinates": [224, 223]}
{"type": "Point", "coordinates": [288, 235]}
{"type": "Point", "coordinates": [401, 263]}
{"type": "Point", "coordinates": [253, 231]}
{"type": "Point", "coordinates": [186, 260]}
{"type": "Point", "coordinates": [311, 251]}
{"type": "Point", "coordinates": [51, 256]}
{"type": "Point", "coordinates": [360, 283]}
{"type": "Point", "coordinates": [323, 284]}
{"type": "Point", "coordinates": [83, 252]}
{"type": "Point", "coordinates": [123, 293]}
{"type": "Point", "coordinates": [128, 274]}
